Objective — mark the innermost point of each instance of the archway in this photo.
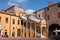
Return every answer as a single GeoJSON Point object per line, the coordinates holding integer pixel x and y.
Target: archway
{"type": "Point", "coordinates": [52, 28]}
{"type": "Point", "coordinates": [33, 27]}
{"type": "Point", "coordinates": [44, 31]}
{"type": "Point", "coordinates": [28, 25]}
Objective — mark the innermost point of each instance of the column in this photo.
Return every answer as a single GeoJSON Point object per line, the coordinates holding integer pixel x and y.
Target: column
{"type": "Point", "coordinates": [41, 32]}
{"type": "Point", "coordinates": [35, 31]}
{"type": "Point", "coordinates": [30, 29]}
{"type": "Point", "coordinates": [23, 28]}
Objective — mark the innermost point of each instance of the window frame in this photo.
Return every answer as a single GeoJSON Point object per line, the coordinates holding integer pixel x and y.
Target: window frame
{"type": "Point", "coordinates": [59, 15]}
{"type": "Point", "coordinates": [13, 21]}
{"type": "Point", "coordinates": [6, 20]}
{"type": "Point", "coordinates": [0, 18]}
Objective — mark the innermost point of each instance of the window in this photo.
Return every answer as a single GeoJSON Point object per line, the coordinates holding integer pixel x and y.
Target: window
{"type": "Point", "coordinates": [25, 34]}
{"type": "Point", "coordinates": [0, 32]}
{"type": "Point", "coordinates": [48, 17]}
{"type": "Point", "coordinates": [58, 5]}
{"type": "Point", "coordinates": [13, 21]}
{"type": "Point", "coordinates": [5, 33]}
{"type": "Point", "coordinates": [18, 22]}
{"type": "Point", "coordinates": [39, 15]}
{"type": "Point", "coordinates": [28, 24]}
{"type": "Point", "coordinates": [59, 15]}
{"type": "Point", "coordinates": [38, 29]}
{"type": "Point", "coordinates": [13, 34]}
{"type": "Point", "coordinates": [35, 12]}
{"type": "Point", "coordinates": [25, 24]}
{"type": "Point", "coordinates": [18, 32]}
{"type": "Point", "coordinates": [29, 34]}
{"type": "Point", "coordinates": [21, 22]}
{"type": "Point", "coordinates": [0, 19]}
{"type": "Point", "coordinates": [48, 9]}
{"type": "Point", "coordinates": [6, 20]}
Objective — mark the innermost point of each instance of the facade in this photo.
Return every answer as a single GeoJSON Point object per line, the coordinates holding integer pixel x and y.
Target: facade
{"type": "Point", "coordinates": [42, 23]}
{"type": "Point", "coordinates": [51, 15]}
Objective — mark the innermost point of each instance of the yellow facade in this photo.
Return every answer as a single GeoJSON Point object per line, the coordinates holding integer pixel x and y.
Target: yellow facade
{"type": "Point", "coordinates": [17, 30]}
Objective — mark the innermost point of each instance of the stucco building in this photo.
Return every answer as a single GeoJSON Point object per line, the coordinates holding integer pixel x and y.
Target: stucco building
{"type": "Point", "coordinates": [42, 23]}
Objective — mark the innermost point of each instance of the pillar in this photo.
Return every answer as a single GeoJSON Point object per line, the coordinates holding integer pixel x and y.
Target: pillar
{"type": "Point", "coordinates": [35, 31]}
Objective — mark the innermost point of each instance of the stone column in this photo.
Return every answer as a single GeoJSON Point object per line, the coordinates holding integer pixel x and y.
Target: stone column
{"type": "Point", "coordinates": [35, 31]}
{"type": "Point", "coordinates": [41, 32]}
{"type": "Point", "coordinates": [30, 29]}
{"type": "Point", "coordinates": [22, 29]}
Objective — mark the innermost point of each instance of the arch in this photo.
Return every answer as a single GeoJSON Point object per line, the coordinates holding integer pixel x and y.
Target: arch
{"type": "Point", "coordinates": [33, 26]}
{"type": "Point", "coordinates": [18, 32]}
{"type": "Point", "coordinates": [38, 29]}
{"type": "Point", "coordinates": [28, 25]}
{"type": "Point", "coordinates": [44, 31]}
{"type": "Point", "coordinates": [51, 30]}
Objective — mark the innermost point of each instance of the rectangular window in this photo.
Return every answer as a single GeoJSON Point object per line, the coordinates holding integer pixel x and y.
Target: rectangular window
{"type": "Point", "coordinates": [6, 20]}
{"type": "Point", "coordinates": [39, 15]}
{"type": "Point", "coordinates": [13, 21]}
{"type": "Point", "coordinates": [47, 9]}
{"type": "Point", "coordinates": [25, 24]}
{"type": "Point", "coordinates": [48, 17]}
{"type": "Point", "coordinates": [58, 5]}
{"type": "Point", "coordinates": [59, 15]}
{"type": "Point", "coordinates": [13, 34]}
{"type": "Point", "coordinates": [18, 22]}
{"type": "Point", "coordinates": [0, 19]}
{"type": "Point", "coordinates": [0, 32]}
{"type": "Point", "coordinates": [22, 22]}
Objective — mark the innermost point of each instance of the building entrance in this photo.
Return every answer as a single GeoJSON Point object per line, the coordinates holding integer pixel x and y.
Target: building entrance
{"type": "Point", "coordinates": [54, 32]}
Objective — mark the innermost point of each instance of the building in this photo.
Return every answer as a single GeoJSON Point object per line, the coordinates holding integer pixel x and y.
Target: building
{"type": "Point", "coordinates": [42, 23]}
{"type": "Point", "coordinates": [51, 15]}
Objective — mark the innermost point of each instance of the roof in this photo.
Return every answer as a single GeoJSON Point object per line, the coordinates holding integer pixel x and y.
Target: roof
{"type": "Point", "coordinates": [12, 7]}
{"type": "Point", "coordinates": [35, 19]}
{"type": "Point", "coordinates": [23, 17]}
{"type": "Point", "coordinates": [8, 13]}
{"type": "Point", "coordinates": [31, 18]}
{"type": "Point", "coordinates": [47, 7]}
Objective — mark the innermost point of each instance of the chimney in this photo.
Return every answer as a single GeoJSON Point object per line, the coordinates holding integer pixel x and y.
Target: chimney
{"type": "Point", "coordinates": [50, 3]}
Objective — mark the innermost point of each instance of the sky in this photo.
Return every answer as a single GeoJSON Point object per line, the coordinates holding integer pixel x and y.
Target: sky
{"type": "Point", "coordinates": [28, 5]}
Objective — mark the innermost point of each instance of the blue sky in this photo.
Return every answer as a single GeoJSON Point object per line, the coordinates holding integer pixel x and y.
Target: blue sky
{"type": "Point", "coordinates": [26, 4]}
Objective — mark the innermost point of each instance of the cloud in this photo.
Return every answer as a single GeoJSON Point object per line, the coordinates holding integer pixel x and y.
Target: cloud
{"type": "Point", "coordinates": [19, 0]}
{"type": "Point", "coordinates": [15, 2]}
{"type": "Point", "coordinates": [9, 3]}
{"type": "Point", "coordinates": [29, 11]}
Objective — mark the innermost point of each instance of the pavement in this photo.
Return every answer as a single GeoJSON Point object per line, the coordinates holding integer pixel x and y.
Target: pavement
{"type": "Point", "coordinates": [13, 38]}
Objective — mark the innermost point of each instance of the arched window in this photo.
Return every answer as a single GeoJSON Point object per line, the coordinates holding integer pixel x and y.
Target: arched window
{"type": "Point", "coordinates": [13, 34]}
{"type": "Point", "coordinates": [38, 29]}
{"type": "Point", "coordinates": [33, 26]}
{"type": "Point", "coordinates": [18, 32]}
{"type": "Point", "coordinates": [44, 30]}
